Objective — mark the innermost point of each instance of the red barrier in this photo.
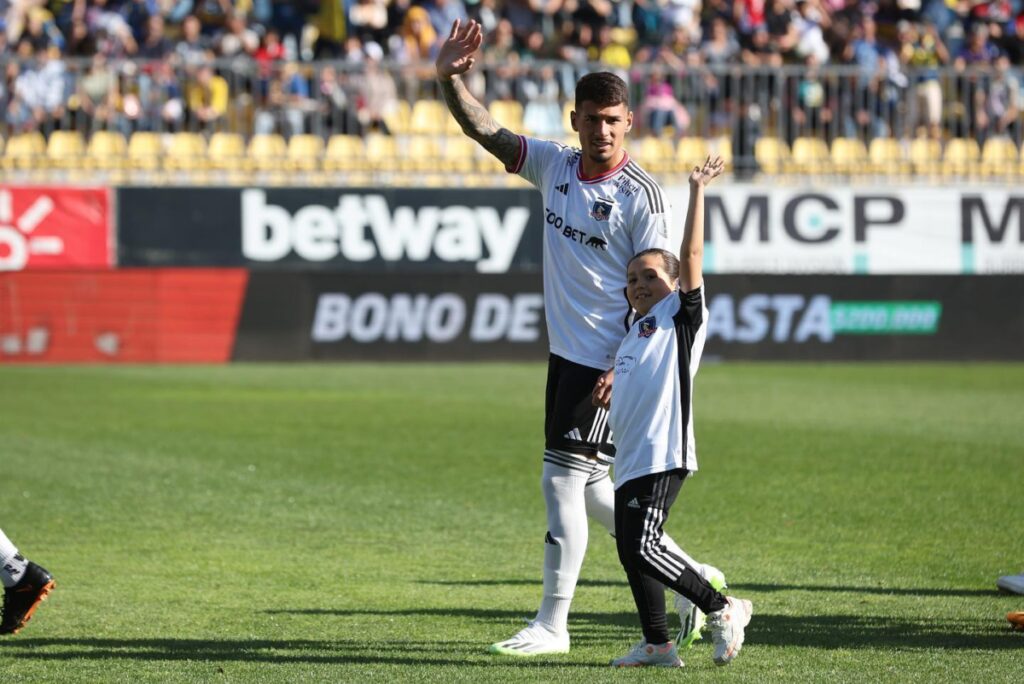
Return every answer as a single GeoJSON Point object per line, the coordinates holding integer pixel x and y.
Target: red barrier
{"type": "Point", "coordinates": [54, 227]}
{"type": "Point", "coordinates": [132, 315]}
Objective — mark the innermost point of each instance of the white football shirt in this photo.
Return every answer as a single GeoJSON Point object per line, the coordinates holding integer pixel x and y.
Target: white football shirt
{"type": "Point", "coordinates": [592, 227]}
{"type": "Point", "coordinates": [651, 414]}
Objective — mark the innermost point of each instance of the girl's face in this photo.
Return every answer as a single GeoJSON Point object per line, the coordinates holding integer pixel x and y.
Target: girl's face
{"type": "Point", "coordinates": [647, 283]}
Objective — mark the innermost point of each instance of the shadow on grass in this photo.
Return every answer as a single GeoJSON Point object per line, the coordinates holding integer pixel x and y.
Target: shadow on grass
{"type": "Point", "coordinates": [842, 589]}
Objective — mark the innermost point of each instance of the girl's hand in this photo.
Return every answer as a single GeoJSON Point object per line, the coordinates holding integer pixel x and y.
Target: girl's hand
{"type": "Point", "coordinates": [712, 168]}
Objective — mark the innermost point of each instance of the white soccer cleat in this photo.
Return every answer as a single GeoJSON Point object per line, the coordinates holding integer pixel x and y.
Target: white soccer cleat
{"type": "Point", "coordinates": [532, 640]}
{"type": "Point", "coordinates": [649, 655]}
{"type": "Point", "coordinates": [1012, 583]}
{"type": "Point", "coordinates": [692, 618]}
{"type": "Point", "coordinates": [727, 626]}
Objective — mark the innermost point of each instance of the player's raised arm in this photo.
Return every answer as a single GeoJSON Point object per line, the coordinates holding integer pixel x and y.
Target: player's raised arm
{"type": "Point", "coordinates": [691, 252]}
{"type": "Point", "coordinates": [454, 59]}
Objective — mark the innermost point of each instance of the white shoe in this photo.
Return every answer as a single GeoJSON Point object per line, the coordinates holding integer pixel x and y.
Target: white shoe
{"type": "Point", "coordinates": [692, 618]}
{"type": "Point", "coordinates": [532, 640]}
{"type": "Point", "coordinates": [647, 655]}
{"type": "Point", "coordinates": [727, 627]}
{"type": "Point", "coordinates": [1012, 583]}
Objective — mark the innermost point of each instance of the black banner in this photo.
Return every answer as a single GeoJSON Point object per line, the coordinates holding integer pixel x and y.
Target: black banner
{"type": "Point", "coordinates": [298, 316]}
{"type": "Point", "coordinates": [465, 230]}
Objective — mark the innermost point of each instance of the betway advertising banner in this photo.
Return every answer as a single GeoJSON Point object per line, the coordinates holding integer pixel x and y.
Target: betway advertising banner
{"type": "Point", "coordinates": [298, 316]}
{"type": "Point", "coordinates": [884, 230]}
{"type": "Point", "coordinates": [54, 227]}
{"type": "Point", "coordinates": [478, 231]}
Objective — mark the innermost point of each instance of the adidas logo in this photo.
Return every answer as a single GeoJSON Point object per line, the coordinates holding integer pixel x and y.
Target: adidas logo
{"type": "Point", "coordinates": [574, 434]}
{"type": "Point", "coordinates": [633, 503]}
{"type": "Point", "coordinates": [563, 188]}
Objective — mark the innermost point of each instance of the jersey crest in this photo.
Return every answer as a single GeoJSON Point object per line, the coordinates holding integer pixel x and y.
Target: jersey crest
{"type": "Point", "coordinates": [648, 326]}
{"type": "Point", "coordinates": [602, 209]}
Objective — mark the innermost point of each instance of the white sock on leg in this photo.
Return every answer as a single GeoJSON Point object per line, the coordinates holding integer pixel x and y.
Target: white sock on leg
{"type": "Point", "coordinates": [12, 565]}
{"type": "Point", "coordinates": [566, 543]}
{"type": "Point", "coordinates": [600, 498]}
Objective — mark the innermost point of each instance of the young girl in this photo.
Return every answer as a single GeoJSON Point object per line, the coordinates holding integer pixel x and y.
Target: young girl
{"type": "Point", "coordinates": [652, 422]}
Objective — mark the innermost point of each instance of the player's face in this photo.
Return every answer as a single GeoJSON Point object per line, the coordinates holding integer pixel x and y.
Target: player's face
{"type": "Point", "coordinates": [602, 131]}
{"type": "Point", "coordinates": [647, 283]}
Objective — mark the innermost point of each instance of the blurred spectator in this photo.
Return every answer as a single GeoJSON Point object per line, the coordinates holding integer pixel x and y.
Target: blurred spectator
{"type": "Point", "coordinates": [978, 50]}
{"type": "Point", "coordinates": [98, 95]}
{"type": "Point", "coordinates": [237, 39]}
{"type": "Point", "coordinates": [812, 107]}
{"type": "Point", "coordinates": [207, 98]}
{"type": "Point", "coordinates": [999, 114]}
{"type": "Point", "coordinates": [377, 92]}
{"type": "Point", "coordinates": [443, 13]}
{"type": "Point", "coordinates": [659, 108]}
{"type": "Point", "coordinates": [924, 53]}
{"type": "Point", "coordinates": [368, 20]}
{"type": "Point", "coordinates": [612, 52]}
{"type": "Point", "coordinates": [781, 28]}
{"type": "Point", "coordinates": [297, 104]}
{"type": "Point", "coordinates": [38, 97]}
{"type": "Point", "coordinates": [500, 54]}
{"type": "Point", "coordinates": [542, 115]}
{"type": "Point", "coordinates": [192, 48]}
{"type": "Point", "coordinates": [762, 52]}
{"type": "Point", "coordinates": [811, 21]}
{"type": "Point", "coordinates": [418, 40]}
{"type": "Point", "coordinates": [155, 44]}
{"type": "Point", "coordinates": [336, 103]}
{"type": "Point", "coordinates": [721, 47]}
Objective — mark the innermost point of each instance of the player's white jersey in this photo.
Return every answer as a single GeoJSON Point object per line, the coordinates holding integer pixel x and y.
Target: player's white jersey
{"type": "Point", "coordinates": [592, 227]}
{"type": "Point", "coordinates": [651, 414]}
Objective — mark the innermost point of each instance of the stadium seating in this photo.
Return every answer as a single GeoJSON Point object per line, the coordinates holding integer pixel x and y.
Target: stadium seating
{"type": "Point", "coordinates": [459, 153]}
{"type": "Point", "coordinates": [305, 152]}
{"type": "Point", "coordinates": [656, 154]}
{"type": "Point", "coordinates": [772, 155]}
{"type": "Point", "coordinates": [925, 155]}
{"type": "Point", "coordinates": [398, 119]}
{"type": "Point", "coordinates": [999, 157]}
{"type": "Point", "coordinates": [508, 113]}
{"type": "Point", "coordinates": [226, 151]}
{"type": "Point", "coordinates": [145, 150]}
{"type": "Point", "coordinates": [690, 152]}
{"type": "Point", "coordinates": [886, 157]}
{"type": "Point", "coordinates": [186, 152]}
{"type": "Point", "coordinates": [849, 156]}
{"type": "Point", "coordinates": [423, 154]}
{"type": "Point", "coordinates": [961, 157]}
{"type": "Point", "coordinates": [267, 152]}
{"type": "Point", "coordinates": [65, 150]}
{"type": "Point", "coordinates": [429, 117]}
{"type": "Point", "coordinates": [107, 151]}
{"type": "Point", "coordinates": [382, 152]}
{"type": "Point", "coordinates": [811, 156]}
{"type": "Point", "coordinates": [345, 153]}
{"type": "Point", "coordinates": [25, 151]}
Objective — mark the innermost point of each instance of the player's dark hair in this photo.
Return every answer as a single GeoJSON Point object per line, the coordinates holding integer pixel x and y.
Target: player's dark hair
{"type": "Point", "coordinates": [670, 260]}
{"type": "Point", "coordinates": [603, 88]}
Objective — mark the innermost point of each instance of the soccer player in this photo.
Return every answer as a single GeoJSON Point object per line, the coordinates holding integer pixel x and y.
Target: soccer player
{"type": "Point", "coordinates": [653, 424]}
{"type": "Point", "coordinates": [25, 586]}
{"type": "Point", "coordinates": [600, 208]}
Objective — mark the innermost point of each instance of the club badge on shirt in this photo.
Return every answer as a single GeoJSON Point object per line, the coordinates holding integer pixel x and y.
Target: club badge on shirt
{"type": "Point", "coordinates": [602, 209]}
{"type": "Point", "coordinates": [648, 326]}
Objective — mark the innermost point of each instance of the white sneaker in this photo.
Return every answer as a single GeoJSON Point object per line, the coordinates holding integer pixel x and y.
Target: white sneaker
{"type": "Point", "coordinates": [1012, 583]}
{"type": "Point", "coordinates": [692, 618]}
{"type": "Point", "coordinates": [648, 655]}
{"type": "Point", "coordinates": [727, 628]}
{"type": "Point", "coordinates": [532, 640]}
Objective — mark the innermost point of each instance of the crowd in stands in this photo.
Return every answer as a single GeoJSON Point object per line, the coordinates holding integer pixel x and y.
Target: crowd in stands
{"type": "Point", "coordinates": [833, 67]}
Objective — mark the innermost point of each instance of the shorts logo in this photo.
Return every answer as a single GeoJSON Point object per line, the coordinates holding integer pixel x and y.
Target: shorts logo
{"type": "Point", "coordinates": [602, 209]}
{"type": "Point", "coordinates": [648, 326]}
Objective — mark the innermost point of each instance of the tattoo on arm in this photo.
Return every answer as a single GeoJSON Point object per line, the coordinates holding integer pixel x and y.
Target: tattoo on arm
{"type": "Point", "coordinates": [478, 124]}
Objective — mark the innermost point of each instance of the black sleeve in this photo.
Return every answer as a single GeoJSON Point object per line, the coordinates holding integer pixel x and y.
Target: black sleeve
{"type": "Point", "coordinates": [691, 309]}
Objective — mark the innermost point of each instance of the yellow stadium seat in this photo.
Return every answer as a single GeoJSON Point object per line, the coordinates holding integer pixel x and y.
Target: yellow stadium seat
{"type": "Point", "coordinates": [961, 157]}
{"type": "Point", "coordinates": [690, 152]}
{"type": "Point", "coordinates": [382, 152]}
{"type": "Point", "coordinates": [345, 153]}
{"type": "Point", "coordinates": [849, 156]}
{"type": "Point", "coordinates": [398, 119]}
{"type": "Point", "coordinates": [226, 151]}
{"type": "Point", "coordinates": [772, 155]}
{"type": "Point", "coordinates": [107, 151]}
{"type": "Point", "coordinates": [811, 156]}
{"type": "Point", "coordinates": [567, 111]}
{"type": "Point", "coordinates": [459, 154]}
{"type": "Point", "coordinates": [25, 151]}
{"type": "Point", "coordinates": [186, 152]}
{"type": "Point", "coordinates": [145, 150]}
{"type": "Point", "coordinates": [508, 114]}
{"type": "Point", "coordinates": [886, 157]}
{"type": "Point", "coordinates": [999, 157]}
{"type": "Point", "coordinates": [722, 146]}
{"type": "Point", "coordinates": [305, 152]}
{"type": "Point", "coordinates": [655, 154]}
{"type": "Point", "coordinates": [267, 152]}
{"type": "Point", "coordinates": [428, 117]}
{"type": "Point", "coordinates": [65, 149]}
{"type": "Point", "coordinates": [423, 154]}
{"type": "Point", "coordinates": [925, 154]}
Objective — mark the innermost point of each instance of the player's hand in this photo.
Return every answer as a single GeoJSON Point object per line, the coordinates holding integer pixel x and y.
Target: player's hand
{"type": "Point", "coordinates": [602, 394]}
{"type": "Point", "coordinates": [456, 53]}
{"type": "Point", "coordinates": [712, 168]}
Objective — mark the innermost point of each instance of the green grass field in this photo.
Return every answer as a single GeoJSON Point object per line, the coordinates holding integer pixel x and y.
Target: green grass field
{"type": "Point", "coordinates": [384, 523]}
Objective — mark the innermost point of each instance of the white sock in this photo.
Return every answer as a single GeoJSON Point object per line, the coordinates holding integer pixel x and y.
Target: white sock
{"type": "Point", "coordinates": [566, 542]}
{"type": "Point", "coordinates": [600, 498]}
{"type": "Point", "coordinates": [12, 565]}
